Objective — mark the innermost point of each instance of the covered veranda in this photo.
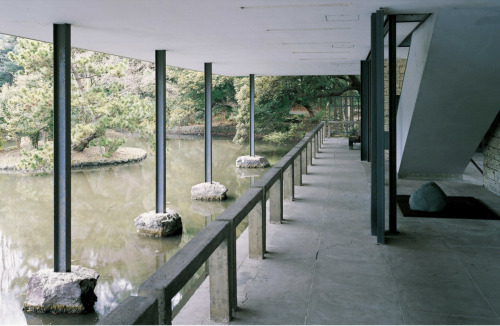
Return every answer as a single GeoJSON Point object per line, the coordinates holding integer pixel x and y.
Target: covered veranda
{"type": "Point", "coordinates": [322, 264]}
{"type": "Point", "coordinates": [323, 267]}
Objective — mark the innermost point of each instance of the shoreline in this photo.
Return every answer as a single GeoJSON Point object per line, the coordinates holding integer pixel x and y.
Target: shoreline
{"type": "Point", "coordinates": [88, 158]}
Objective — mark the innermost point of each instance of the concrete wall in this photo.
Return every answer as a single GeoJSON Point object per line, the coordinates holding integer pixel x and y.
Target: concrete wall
{"type": "Point", "coordinates": [491, 177]}
{"type": "Point", "coordinates": [444, 114]}
{"type": "Point", "coordinates": [417, 56]}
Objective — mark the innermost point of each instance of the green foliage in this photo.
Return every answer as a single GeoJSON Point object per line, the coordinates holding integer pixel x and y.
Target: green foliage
{"type": "Point", "coordinates": [7, 67]}
{"type": "Point", "coordinates": [191, 96]}
{"type": "Point", "coordinates": [276, 95]}
{"type": "Point", "coordinates": [110, 92]}
{"type": "Point", "coordinates": [295, 132]}
{"type": "Point", "coordinates": [110, 145]}
{"type": "Point", "coordinates": [38, 159]}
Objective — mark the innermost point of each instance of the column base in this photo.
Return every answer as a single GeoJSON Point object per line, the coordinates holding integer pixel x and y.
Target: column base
{"type": "Point", "coordinates": [209, 191]}
{"type": "Point", "coordinates": [59, 293]}
{"type": "Point", "coordinates": [252, 162]}
{"type": "Point", "coordinates": [158, 225]}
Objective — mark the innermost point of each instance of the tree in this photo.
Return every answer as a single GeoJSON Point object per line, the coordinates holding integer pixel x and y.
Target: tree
{"type": "Point", "coordinates": [26, 104]}
{"type": "Point", "coordinates": [274, 96]}
{"type": "Point", "coordinates": [100, 98]}
{"type": "Point", "coordinates": [189, 104]}
{"type": "Point", "coordinates": [7, 67]}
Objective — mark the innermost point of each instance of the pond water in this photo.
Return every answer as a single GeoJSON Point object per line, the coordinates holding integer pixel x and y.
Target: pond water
{"type": "Point", "coordinates": [104, 203]}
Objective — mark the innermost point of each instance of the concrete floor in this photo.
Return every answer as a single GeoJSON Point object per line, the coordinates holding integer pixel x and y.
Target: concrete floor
{"type": "Point", "coordinates": [324, 267]}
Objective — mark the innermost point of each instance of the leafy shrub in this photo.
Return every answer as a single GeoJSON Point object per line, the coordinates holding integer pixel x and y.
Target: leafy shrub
{"type": "Point", "coordinates": [110, 145]}
{"type": "Point", "coordinates": [293, 133]}
{"type": "Point", "coordinates": [40, 159]}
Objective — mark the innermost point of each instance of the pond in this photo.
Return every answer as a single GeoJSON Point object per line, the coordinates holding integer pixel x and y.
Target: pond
{"type": "Point", "coordinates": [104, 203]}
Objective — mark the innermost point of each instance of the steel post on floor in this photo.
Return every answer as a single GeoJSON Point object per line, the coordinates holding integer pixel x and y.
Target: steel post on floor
{"type": "Point", "coordinates": [161, 170]}
{"type": "Point", "coordinates": [393, 223]}
{"type": "Point", "coordinates": [378, 162]}
{"type": "Point", "coordinates": [252, 115]}
{"type": "Point", "coordinates": [365, 100]}
{"type": "Point", "coordinates": [208, 122]}
{"type": "Point", "coordinates": [373, 130]}
{"type": "Point", "coordinates": [62, 148]}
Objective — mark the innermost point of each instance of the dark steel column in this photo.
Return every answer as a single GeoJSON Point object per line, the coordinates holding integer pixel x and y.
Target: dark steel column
{"type": "Point", "coordinates": [161, 170]}
{"type": "Point", "coordinates": [208, 122]}
{"type": "Point", "coordinates": [62, 148]}
{"type": "Point", "coordinates": [373, 129]}
{"type": "Point", "coordinates": [365, 80]}
{"type": "Point", "coordinates": [252, 115]}
{"type": "Point", "coordinates": [393, 223]}
{"type": "Point", "coordinates": [380, 136]}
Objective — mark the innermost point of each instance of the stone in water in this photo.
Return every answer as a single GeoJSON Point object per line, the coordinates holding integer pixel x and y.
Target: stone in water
{"type": "Point", "coordinates": [152, 224]}
{"type": "Point", "coordinates": [208, 191]}
{"type": "Point", "coordinates": [53, 292]}
{"type": "Point", "coordinates": [428, 198]}
{"type": "Point", "coordinates": [251, 162]}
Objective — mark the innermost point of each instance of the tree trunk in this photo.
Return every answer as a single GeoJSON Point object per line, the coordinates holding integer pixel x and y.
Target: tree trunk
{"type": "Point", "coordinates": [34, 140]}
{"type": "Point", "coordinates": [84, 143]}
{"type": "Point", "coordinates": [310, 110]}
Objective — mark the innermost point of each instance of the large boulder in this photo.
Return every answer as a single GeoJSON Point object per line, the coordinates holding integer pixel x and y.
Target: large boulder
{"type": "Point", "coordinates": [152, 224]}
{"type": "Point", "coordinates": [208, 191]}
{"type": "Point", "coordinates": [248, 161]}
{"type": "Point", "coordinates": [428, 198]}
{"type": "Point", "coordinates": [53, 292]}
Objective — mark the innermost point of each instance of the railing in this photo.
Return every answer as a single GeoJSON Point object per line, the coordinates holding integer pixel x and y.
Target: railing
{"type": "Point", "coordinates": [217, 244]}
{"type": "Point", "coordinates": [344, 115]}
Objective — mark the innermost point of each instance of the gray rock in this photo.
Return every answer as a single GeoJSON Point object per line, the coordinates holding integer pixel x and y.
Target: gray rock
{"type": "Point", "coordinates": [53, 292]}
{"type": "Point", "coordinates": [428, 198]}
{"type": "Point", "coordinates": [248, 161]}
{"type": "Point", "coordinates": [208, 191]}
{"type": "Point", "coordinates": [158, 225]}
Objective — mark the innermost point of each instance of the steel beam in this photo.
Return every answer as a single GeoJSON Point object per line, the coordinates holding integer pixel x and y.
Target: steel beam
{"type": "Point", "coordinates": [393, 224]}
{"type": "Point", "coordinates": [208, 122]}
{"type": "Point", "coordinates": [161, 170]}
{"type": "Point", "coordinates": [252, 115]}
{"type": "Point", "coordinates": [373, 129]}
{"type": "Point", "coordinates": [378, 62]}
{"type": "Point", "coordinates": [365, 80]}
{"type": "Point", "coordinates": [62, 148]}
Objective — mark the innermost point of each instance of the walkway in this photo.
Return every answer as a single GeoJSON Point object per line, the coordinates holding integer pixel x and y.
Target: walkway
{"type": "Point", "coordinates": [324, 267]}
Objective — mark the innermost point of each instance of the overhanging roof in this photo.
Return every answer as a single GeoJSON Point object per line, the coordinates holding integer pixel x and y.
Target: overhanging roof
{"type": "Point", "coordinates": [263, 37]}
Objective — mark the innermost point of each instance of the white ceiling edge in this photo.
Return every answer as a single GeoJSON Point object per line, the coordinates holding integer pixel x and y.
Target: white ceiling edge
{"type": "Point", "coordinates": [240, 37]}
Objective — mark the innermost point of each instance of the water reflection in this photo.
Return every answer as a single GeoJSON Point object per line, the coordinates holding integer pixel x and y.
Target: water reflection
{"type": "Point", "coordinates": [104, 203]}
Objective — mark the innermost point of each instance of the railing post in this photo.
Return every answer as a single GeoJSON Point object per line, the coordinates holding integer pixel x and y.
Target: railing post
{"type": "Point", "coordinates": [310, 151]}
{"type": "Point", "coordinates": [288, 183]}
{"type": "Point", "coordinates": [276, 201]}
{"type": "Point", "coordinates": [304, 160]}
{"type": "Point", "coordinates": [303, 165]}
{"type": "Point", "coordinates": [221, 285]}
{"type": "Point", "coordinates": [297, 167]}
{"type": "Point", "coordinates": [257, 229]}
{"type": "Point", "coordinates": [318, 142]}
{"type": "Point", "coordinates": [164, 303]}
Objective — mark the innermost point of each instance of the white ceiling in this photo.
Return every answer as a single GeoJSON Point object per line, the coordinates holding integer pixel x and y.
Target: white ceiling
{"type": "Point", "coordinates": [240, 37]}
